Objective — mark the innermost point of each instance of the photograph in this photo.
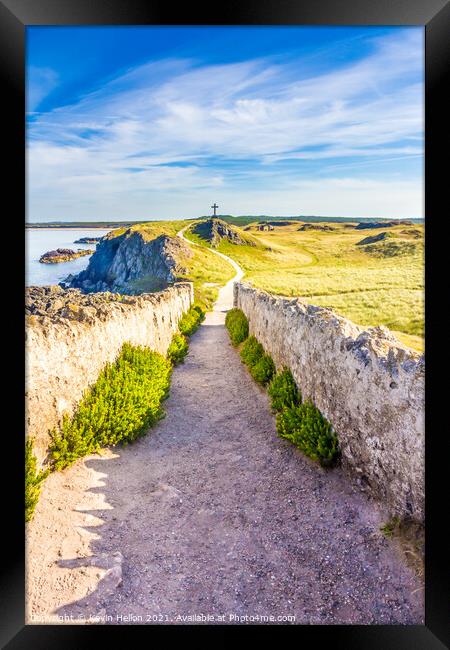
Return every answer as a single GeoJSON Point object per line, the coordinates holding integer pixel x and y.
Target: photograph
{"type": "Point", "coordinates": [224, 324]}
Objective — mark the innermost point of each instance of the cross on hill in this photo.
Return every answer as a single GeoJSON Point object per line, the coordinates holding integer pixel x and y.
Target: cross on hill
{"type": "Point", "coordinates": [215, 206]}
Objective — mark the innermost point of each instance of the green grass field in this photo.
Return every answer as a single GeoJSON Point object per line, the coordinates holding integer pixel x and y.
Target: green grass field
{"type": "Point", "coordinates": [377, 284]}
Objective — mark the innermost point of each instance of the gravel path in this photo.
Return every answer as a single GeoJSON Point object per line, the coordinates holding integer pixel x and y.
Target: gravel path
{"type": "Point", "coordinates": [212, 515]}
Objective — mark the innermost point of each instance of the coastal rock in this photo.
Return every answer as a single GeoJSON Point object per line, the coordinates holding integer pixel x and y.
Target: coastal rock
{"type": "Point", "coordinates": [87, 240]}
{"type": "Point", "coordinates": [121, 261]}
{"type": "Point", "coordinates": [63, 255]}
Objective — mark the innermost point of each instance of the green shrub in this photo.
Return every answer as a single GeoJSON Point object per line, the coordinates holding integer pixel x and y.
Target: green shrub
{"type": "Point", "coordinates": [199, 311]}
{"type": "Point", "coordinates": [122, 404]}
{"type": "Point", "coordinates": [237, 325]}
{"type": "Point", "coordinates": [33, 480]}
{"type": "Point", "coordinates": [263, 370]}
{"type": "Point", "coordinates": [177, 349]}
{"type": "Point", "coordinates": [190, 320]}
{"type": "Point", "coordinates": [252, 351]}
{"type": "Point", "coordinates": [261, 366]}
{"type": "Point", "coordinates": [305, 426]}
{"type": "Point", "coordinates": [283, 391]}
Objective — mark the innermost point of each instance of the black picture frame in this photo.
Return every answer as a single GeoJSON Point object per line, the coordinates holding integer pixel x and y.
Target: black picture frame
{"type": "Point", "coordinates": [434, 15]}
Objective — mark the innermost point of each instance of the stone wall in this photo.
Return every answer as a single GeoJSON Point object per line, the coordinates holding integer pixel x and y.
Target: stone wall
{"type": "Point", "coordinates": [368, 385]}
{"type": "Point", "coordinates": [67, 349]}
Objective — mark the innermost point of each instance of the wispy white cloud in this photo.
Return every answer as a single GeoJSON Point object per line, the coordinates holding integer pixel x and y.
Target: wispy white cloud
{"type": "Point", "coordinates": [124, 147]}
{"type": "Point", "coordinates": [40, 82]}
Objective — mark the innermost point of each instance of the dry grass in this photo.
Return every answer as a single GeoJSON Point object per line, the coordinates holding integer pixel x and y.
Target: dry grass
{"type": "Point", "coordinates": [409, 536]}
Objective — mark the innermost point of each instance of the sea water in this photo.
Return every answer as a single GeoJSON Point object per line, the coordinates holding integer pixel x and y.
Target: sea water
{"type": "Point", "coordinates": [41, 240]}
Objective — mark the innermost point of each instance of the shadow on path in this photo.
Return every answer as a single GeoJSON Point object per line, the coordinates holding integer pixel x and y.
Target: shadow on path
{"type": "Point", "coordinates": [212, 513]}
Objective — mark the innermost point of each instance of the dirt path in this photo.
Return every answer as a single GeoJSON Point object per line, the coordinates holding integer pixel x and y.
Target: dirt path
{"type": "Point", "coordinates": [225, 298]}
{"type": "Point", "coordinates": [212, 514]}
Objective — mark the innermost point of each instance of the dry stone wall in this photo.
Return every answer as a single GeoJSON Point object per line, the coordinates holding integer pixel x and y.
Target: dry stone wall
{"type": "Point", "coordinates": [365, 382]}
{"type": "Point", "coordinates": [66, 348]}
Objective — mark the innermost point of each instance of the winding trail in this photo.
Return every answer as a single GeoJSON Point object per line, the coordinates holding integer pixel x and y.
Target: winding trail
{"type": "Point", "coordinates": [224, 300]}
{"type": "Point", "coordinates": [213, 514]}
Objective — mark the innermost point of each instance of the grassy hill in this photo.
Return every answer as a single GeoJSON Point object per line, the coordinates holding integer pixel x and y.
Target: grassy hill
{"type": "Point", "coordinates": [210, 232]}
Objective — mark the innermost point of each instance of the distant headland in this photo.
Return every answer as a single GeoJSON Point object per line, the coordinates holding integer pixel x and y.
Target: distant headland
{"type": "Point", "coordinates": [241, 220]}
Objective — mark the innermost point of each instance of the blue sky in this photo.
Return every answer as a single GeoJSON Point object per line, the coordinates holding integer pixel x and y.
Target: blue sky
{"type": "Point", "coordinates": [159, 122]}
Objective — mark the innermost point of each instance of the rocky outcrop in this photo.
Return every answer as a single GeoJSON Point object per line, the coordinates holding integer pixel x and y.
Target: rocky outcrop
{"type": "Point", "coordinates": [315, 226]}
{"type": "Point", "coordinates": [215, 230]}
{"type": "Point", "coordinates": [87, 240]}
{"type": "Point", "coordinates": [120, 260]}
{"type": "Point", "coordinates": [368, 385]}
{"type": "Point", "coordinates": [70, 336]}
{"type": "Point", "coordinates": [364, 225]}
{"type": "Point", "coordinates": [372, 240]}
{"type": "Point", "coordinates": [391, 248]}
{"type": "Point", "coordinates": [63, 255]}
{"type": "Point", "coordinates": [415, 233]}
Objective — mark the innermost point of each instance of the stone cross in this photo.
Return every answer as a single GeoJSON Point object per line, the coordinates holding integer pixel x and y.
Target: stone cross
{"type": "Point", "coordinates": [214, 207]}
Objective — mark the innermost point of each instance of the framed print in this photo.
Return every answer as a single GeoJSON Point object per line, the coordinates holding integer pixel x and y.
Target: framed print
{"type": "Point", "coordinates": [229, 420]}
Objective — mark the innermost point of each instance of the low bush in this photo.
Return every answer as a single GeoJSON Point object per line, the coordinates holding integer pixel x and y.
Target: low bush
{"type": "Point", "coordinates": [261, 366]}
{"type": "Point", "coordinates": [122, 404]}
{"type": "Point", "coordinates": [305, 426]}
{"type": "Point", "coordinates": [263, 370]}
{"type": "Point", "coordinates": [199, 311]}
{"type": "Point", "coordinates": [237, 325]}
{"type": "Point", "coordinates": [177, 349]}
{"type": "Point", "coordinates": [33, 480]}
{"type": "Point", "coordinates": [252, 351]}
{"type": "Point", "coordinates": [190, 320]}
{"type": "Point", "coordinates": [283, 391]}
